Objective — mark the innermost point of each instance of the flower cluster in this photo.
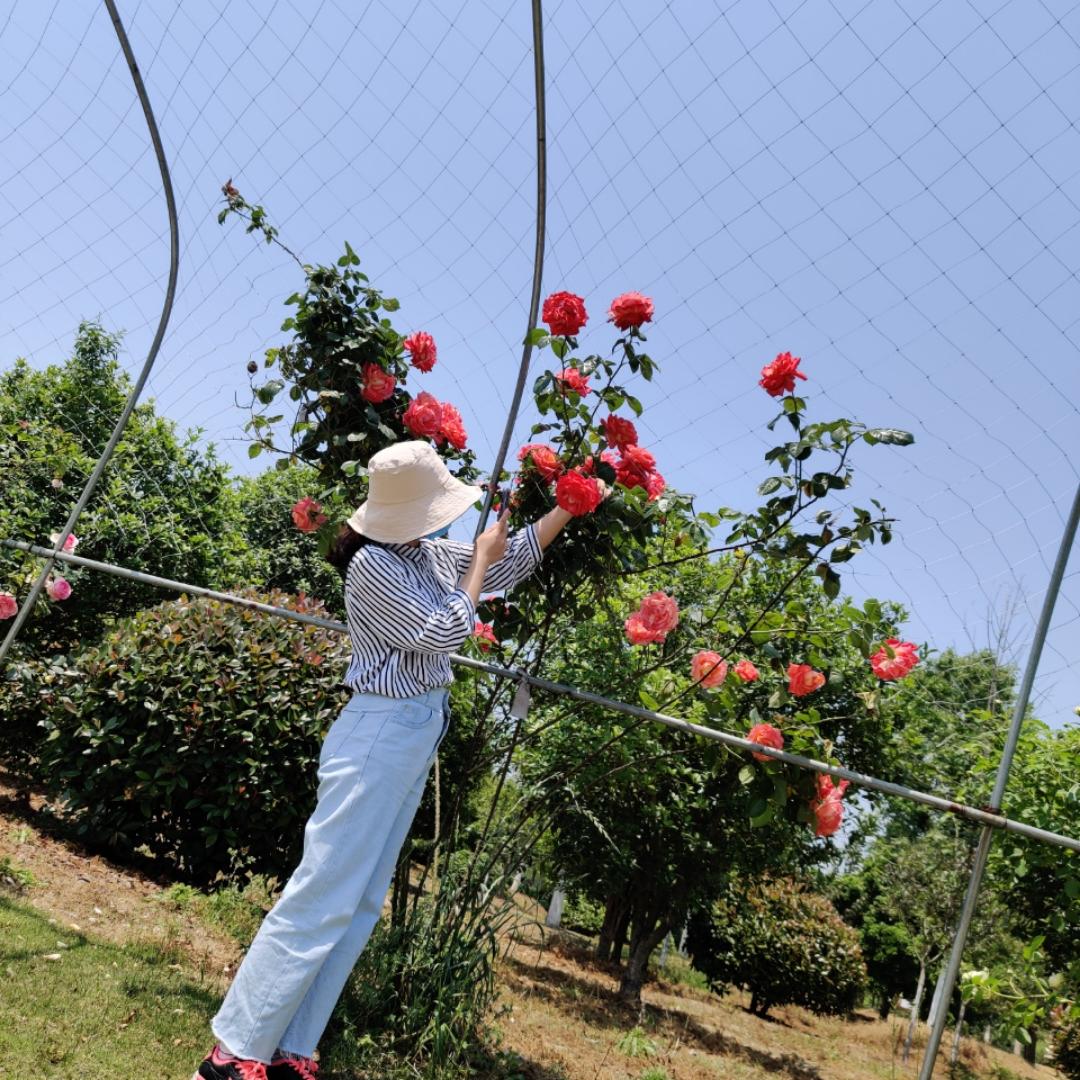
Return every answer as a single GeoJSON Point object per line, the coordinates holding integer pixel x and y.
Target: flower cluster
{"type": "Point", "coordinates": [429, 418]}
{"type": "Point", "coordinates": [656, 617]}
{"type": "Point", "coordinates": [565, 314]}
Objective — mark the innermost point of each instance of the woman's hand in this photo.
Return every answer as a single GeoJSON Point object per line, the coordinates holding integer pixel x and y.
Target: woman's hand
{"type": "Point", "coordinates": [491, 543]}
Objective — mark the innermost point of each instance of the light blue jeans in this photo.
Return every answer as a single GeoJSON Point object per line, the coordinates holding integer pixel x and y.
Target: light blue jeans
{"type": "Point", "coordinates": [372, 771]}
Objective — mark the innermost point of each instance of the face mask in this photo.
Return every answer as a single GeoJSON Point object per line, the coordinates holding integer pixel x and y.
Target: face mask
{"type": "Point", "coordinates": [438, 534]}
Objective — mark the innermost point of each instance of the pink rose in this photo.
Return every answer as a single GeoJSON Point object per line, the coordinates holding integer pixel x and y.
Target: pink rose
{"type": "Point", "coordinates": [779, 376]}
{"type": "Point", "coordinates": [765, 735]}
{"type": "Point", "coordinates": [9, 607]}
{"type": "Point", "coordinates": [637, 633]}
{"type": "Point", "coordinates": [378, 384]}
{"type": "Point", "coordinates": [803, 679]}
{"type": "Point", "coordinates": [423, 417]}
{"type": "Point", "coordinates": [69, 544]}
{"type": "Point", "coordinates": [307, 515]}
{"type": "Point", "coordinates": [904, 658]}
{"type": "Point", "coordinates": [827, 808]}
{"type": "Point", "coordinates": [746, 671]}
{"type": "Point", "coordinates": [421, 349]}
{"type": "Point", "coordinates": [58, 588]}
{"type": "Point", "coordinates": [708, 669]}
{"type": "Point", "coordinates": [451, 429]}
{"type": "Point", "coordinates": [630, 310]}
{"type": "Point", "coordinates": [543, 459]}
{"type": "Point", "coordinates": [660, 614]}
{"type": "Point", "coordinates": [619, 432]}
{"type": "Point", "coordinates": [577, 494]}
{"type": "Point", "coordinates": [564, 312]}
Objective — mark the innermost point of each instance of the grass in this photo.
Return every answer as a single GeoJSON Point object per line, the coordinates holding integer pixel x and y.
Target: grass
{"type": "Point", "coordinates": [74, 1007]}
{"type": "Point", "coordinates": [236, 910]}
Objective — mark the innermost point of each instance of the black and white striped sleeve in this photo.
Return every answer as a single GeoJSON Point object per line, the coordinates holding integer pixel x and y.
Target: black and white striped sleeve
{"type": "Point", "coordinates": [523, 555]}
{"type": "Point", "coordinates": [381, 596]}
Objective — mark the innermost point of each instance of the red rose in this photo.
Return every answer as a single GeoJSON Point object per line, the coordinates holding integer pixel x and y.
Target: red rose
{"type": "Point", "coordinates": [634, 467]}
{"type": "Point", "coordinates": [903, 659]}
{"type": "Point", "coordinates": [451, 429]}
{"type": "Point", "coordinates": [572, 379]}
{"type": "Point", "coordinates": [630, 310]}
{"type": "Point", "coordinates": [577, 494]}
{"type": "Point", "coordinates": [306, 514]}
{"type": "Point", "coordinates": [564, 313]}
{"type": "Point", "coordinates": [708, 669]}
{"type": "Point", "coordinates": [485, 636]}
{"type": "Point", "coordinates": [378, 384]}
{"type": "Point", "coordinates": [423, 417]}
{"type": "Point", "coordinates": [827, 808]}
{"type": "Point", "coordinates": [765, 735]}
{"type": "Point", "coordinates": [619, 432]}
{"type": "Point", "coordinates": [655, 485]}
{"type": "Point", "coordinates": [543, 459]}
{"type": "Point", "coordinates": [803, 679]}
{"type": "Point", "coordinates": [779, 376]}
{"type": "Point", "coordinates": [746, 671]}
{"type": "Point", "coordinates": [421, 349]}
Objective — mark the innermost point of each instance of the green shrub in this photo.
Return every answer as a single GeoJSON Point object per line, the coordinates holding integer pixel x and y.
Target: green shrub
{"type": "Point", "coordinates": [783, 943]}
{"type": "Point", "coordinates": [582, 914]}
{"type": "Point", "coordinates": [193, 730]}
{"type": "Point", "coordinates": [1066, 1049]}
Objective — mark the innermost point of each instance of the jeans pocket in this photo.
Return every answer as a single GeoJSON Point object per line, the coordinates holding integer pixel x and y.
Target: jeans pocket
{"type": "Point", "coordinates": [413, 714]}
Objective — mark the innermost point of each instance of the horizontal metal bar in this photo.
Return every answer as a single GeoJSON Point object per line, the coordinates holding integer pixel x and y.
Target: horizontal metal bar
{"type": "Point", "coordinates": [886, 787]}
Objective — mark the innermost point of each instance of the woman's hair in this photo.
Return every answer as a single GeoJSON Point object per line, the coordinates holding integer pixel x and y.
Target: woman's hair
{"type": "Point", "coordinates": [344, 546]}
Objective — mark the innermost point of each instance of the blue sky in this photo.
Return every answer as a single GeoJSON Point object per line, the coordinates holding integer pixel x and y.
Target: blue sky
{"type": "Point", "coordinates": [890, 190]}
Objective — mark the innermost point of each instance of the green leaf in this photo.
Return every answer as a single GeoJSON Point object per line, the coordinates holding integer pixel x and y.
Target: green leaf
{"type": "Point", "coordinates": [537, 336]}
{"type": "Point", "coordinates": [254, 450]}
{"type": "Point", "coordinates": [390, 303]}
{"type": "Point", "coordinates": [746, 775]}
{"type": "Point", "coordinates": [831, 585]}
{"type": "Point", "coordinates": [648, 700]}
{"type": "Point", "coordinates": [892, 436]}
{"type": "Point", "coordinates": [767, 487]}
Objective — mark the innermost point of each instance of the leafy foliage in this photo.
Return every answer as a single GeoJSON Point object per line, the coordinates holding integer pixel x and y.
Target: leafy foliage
{"type": "Point", "coordinates": [193, 730]}
{"type": "Point", "coordinates": [1066, 1048]}
{"type": "Point", "coordinates": [783, 943]}
{"type": "Point", "coordinates": [164, 506]}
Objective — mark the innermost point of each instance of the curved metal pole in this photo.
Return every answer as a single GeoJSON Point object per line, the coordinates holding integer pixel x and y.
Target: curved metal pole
{"type": "Point", "coordinates": [982, 851]}
{"type": "Point", "coordinates": [166, 311]}
{"type": "Point", "coordinates": [538, 257]}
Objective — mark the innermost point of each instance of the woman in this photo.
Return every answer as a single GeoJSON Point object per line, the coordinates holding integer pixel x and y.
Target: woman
{"type": "Point", "coordinates": [411, 597]}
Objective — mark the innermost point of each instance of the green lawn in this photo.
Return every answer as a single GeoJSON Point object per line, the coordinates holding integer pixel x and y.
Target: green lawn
{"type": "Point", "coordinates": [97, 1011]}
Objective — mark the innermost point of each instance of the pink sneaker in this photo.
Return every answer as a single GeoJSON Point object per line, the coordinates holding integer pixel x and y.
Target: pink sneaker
{"type": "Point", "coordinates": [292, 1068]}
{"type": "Point", "coordinates": [218, 1065]}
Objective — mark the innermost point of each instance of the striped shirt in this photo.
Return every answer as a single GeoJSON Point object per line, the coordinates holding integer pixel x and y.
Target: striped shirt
{"type": "Point", "coordinates": [406, 613]}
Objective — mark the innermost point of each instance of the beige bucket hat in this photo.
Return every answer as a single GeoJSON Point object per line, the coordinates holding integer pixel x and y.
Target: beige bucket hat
{"type": "Point", "coordinates": [411, 493]}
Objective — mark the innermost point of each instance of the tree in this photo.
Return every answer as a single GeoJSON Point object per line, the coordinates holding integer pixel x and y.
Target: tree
{"type": "Point", "coordinates": [164, 505]}
{"type": "Point", "coordinates": [783, 943]}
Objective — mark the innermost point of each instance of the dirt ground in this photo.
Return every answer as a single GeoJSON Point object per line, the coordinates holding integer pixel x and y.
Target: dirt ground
{"type": "Point", "coordinates": [563, 1023]}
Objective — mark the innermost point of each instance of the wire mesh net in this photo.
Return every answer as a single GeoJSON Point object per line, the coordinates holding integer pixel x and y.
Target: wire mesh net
{"type": "Point", "coordinates": [889, 191]}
